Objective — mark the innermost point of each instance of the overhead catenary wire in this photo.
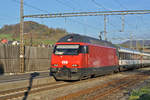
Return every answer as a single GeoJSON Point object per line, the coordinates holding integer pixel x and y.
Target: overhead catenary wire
{"type": "Point", "coordinates": [124, 8]}
{"type": "Point", "coordinates": [100, 5]}
{"type": "Point", "coordinates": [75, 3]}
{"type": "Point", "coordinates": [127, 12]}
{"type": "Point", "coordinates": [123, 17]}
{"type": "Point", "coordinates": [98, 13]}
{"type": "Point", "coordinates": [79, 22]}
{"type": "Point", "coordinates": [67, 5]}
{"type": "Point", "coordinates": [121, 5]}
{"type": "Point", "coordinates": [4, 17]}
{"type": "Point", "coordinates": [33, 7]}
{"type": "Point", "coordinates": [38, 9]}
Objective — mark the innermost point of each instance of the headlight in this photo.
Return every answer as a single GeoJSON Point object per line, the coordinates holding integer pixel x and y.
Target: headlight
{"type": "Point", "coordinates": [74, 65]}
{"type": "Point", "coordinates": [54, 69]}
{"type": "Point", "coordinates": [55, 65]}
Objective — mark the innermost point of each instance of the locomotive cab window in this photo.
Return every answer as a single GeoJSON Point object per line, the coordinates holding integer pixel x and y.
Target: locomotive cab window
{"type": "Point", "coordinates": [69, 49]}
{"type": "Point", "coordinates": [66, 49]}
{"type": "Point", "coordinates": [83, 49]}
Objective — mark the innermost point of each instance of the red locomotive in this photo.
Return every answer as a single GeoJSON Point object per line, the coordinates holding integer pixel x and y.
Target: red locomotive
{"type": "Point", "coordinates": [77, 57]}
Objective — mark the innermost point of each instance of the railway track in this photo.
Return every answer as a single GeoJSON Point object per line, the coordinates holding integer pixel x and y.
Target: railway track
{"type": "Point", "coordinates": [125, 83]}
{"type": "Point", "coordinates": [101, 91]}
{"type": "Point", "coordinates": [22, 92]}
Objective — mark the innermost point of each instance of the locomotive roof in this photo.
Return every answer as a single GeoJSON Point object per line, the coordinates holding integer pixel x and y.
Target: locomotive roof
{"type": "Point", "coordinates": [85, 39]}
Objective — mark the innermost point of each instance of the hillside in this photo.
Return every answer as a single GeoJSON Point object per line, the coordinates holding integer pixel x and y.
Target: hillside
{"type": "Point", "coordinates": [135, 43]}
{"type": "Point", "coordinates": [34, 31]}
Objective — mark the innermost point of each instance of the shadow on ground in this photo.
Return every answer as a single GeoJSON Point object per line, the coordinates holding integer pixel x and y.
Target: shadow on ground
{"type": "Point", "coordinates": [144, 97]}
{"type": "Point", "coordinates": [32, 76]}
{"type": "Point", "coordinates": [1, 69]}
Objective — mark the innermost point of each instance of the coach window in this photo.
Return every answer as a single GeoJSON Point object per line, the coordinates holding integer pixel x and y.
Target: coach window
{"type": "Point", "coordinates": [147, 58]}
{"type": "Point", "coordinates": [121, 55]}
{"type": "Point", "coordinates": [133, 57]}
{"type": "Point", "coordinates": [136, 57]}
{"type": "Point", "coordinates": [129, 56]}
{"type": "Point", "coordinates": [144, 57]}
{"type": "Point", "coordinates": [139, 57]}
{"type": "Point", "coordinates": [124, 56]}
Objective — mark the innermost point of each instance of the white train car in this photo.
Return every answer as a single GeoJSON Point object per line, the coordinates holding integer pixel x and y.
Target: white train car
{"type": "Point", "coordinates": [131, 59]}
{"type": "Point", "coordinates": [145, 59]}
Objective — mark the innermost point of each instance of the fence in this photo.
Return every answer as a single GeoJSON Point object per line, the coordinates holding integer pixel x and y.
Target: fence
{"type": "Point", "coordinates": [36, 58]}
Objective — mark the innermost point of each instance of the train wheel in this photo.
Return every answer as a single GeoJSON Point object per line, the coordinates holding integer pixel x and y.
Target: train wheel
{"type": "Point", "coordinates": [121, 69]}
{"type": "Point", "coordinates": [117, 70]}
{"type": "Point", "coordinates": [93, 76]}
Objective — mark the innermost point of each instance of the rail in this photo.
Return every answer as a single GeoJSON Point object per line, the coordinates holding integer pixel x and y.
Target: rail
{"type": "Point", "coordinates": [106, 89]}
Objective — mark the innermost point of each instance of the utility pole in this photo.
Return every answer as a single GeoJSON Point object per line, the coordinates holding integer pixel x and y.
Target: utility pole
{"type": "Point", "coordinates": [100, 35]}
{"type": "Point", "coordinates": [31, 39]}
{"type": "Point", "coordinates": [122, 30]}
{"type": "Point", "coordinates": [143, 44]}
{"type": "Point", "coordinates": [21, 38]}
{"type": "Point", "coordinates": [131, 41]}
{"type": "Point", "coordinates": [105, 21]}
{"type": "Point", "coordinates": [136, 41]}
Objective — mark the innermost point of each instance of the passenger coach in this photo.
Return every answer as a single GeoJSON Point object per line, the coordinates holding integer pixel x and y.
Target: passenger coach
{"type": "Point", "coordinates": [130, 59]}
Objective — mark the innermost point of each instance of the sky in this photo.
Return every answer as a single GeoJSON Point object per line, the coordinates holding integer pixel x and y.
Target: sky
{"type": "Point", "coordinates": [136, 26]}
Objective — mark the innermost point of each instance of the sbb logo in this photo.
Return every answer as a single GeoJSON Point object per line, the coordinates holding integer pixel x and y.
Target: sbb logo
{"type": "Point", "coordinates": [64, 62]}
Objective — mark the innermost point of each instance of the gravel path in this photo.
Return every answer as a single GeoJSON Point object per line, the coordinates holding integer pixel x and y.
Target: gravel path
{"type": "Point", "coordinates": [123, 95]}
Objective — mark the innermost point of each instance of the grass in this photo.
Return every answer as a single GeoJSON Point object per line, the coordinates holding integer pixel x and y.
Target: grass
{"type": "Point", "coordinates": [6, 36]}
{"type": "Point", "coordinates": [27, 41]}
{"type": "Point", "coordinates": [141, 94]}
{"type": "Point", "coordinates": [39, 41]}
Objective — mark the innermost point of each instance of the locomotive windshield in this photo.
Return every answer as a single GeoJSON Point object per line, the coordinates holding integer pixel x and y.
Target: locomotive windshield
{"type": "Point", "coordinates": [66, 49]}
{"type": "Point", "coordinates": [70, 49]}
